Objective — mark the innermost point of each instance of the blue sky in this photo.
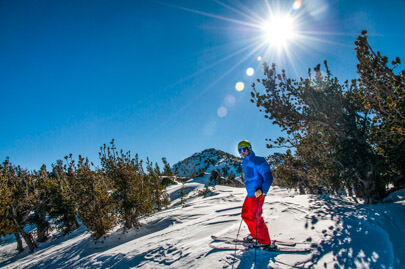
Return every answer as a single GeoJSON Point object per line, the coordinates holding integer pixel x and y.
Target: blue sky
{"type": "Point", "coordinates": [159, 76]}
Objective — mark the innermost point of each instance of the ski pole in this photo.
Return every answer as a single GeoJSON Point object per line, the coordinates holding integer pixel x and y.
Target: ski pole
{"type": "Point", "coordinates": [257, 218]}
{"type": "Point", "coordinates": [237, 235]}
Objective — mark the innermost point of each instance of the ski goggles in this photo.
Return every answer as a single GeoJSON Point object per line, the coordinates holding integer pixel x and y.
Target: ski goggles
{"type": "Point", "coordinates": [241, 150]}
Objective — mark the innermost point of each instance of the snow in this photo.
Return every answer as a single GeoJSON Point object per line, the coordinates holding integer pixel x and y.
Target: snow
{"type": "Point", "coordinates": [395, 197]}
{"type": "Point", "coordinates": [341, 232]}
{"type": "Point", "coordinates": [206, 161]}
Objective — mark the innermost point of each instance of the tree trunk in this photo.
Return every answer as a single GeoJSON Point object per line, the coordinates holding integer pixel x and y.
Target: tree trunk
{"type": "Point", "coordinates": [42, 227]}
{"type": "Point", "coordinates": [71, 224]}
{"type": "Point", "coordinates": [20, 229]}
{"type": "Point", "coordinates": [29, 240]}
{"type": "Point", "coordinates": [42, 233]}
{"type": "Point", "coordinates": [20, 247]}
{"type": "Point", "coordinates": [128, 221]}
{"type": "Point", "coordinates": [77, 224]}
{"type": "Point", "coordinates": [349, 191]}
{"type": "Point", "coordinates": [399, 181]}
{"type": "Point", "coordinates": [301, 188]}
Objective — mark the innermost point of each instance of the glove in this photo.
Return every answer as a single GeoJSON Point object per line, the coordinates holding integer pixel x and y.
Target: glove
{"type": "Point", "coordinates": [259, 192]}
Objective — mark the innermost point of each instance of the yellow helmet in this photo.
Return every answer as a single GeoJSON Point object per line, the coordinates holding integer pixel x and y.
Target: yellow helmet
{"type": "Point", "coordinates": [244, 145]}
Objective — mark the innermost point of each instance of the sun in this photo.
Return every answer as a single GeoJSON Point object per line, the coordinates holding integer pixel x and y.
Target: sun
{"type": "Point", "coordinates": [279, 30]}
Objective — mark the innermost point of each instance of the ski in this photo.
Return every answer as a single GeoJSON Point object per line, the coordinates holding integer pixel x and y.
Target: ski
{"type": "Point", "coordinates": [241, 241]}
{"type": "Point", "coordinates": [278, 249]}
{"type": "Point", "coordinates": [227, 246]}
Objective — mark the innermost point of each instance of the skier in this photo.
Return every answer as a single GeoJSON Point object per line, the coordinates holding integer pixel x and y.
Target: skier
{"type": "Point", "coordinates": [258, 179]}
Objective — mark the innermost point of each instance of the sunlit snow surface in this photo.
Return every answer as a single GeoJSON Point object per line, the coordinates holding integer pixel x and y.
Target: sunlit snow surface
{"type": "Point", "coordinates": [342, 234]}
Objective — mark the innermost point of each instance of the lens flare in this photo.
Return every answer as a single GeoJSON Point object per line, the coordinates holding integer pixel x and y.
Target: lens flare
{"type": "Point", "coordinates": [250, 71]}
{"type": "Point", "coordinates": [259, 58]}
{"type": "Point", "coordinates": [222, 111]}
{"type": "Point", "coordinates": [230, 100]}
{"type": "Point", "coordinates": [297, 4]}
{"type": "Point", "coordinates": [240, 86]}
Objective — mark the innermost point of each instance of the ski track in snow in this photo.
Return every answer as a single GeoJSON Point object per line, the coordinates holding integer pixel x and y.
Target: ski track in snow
{"type": "Point", "coordinates": [342, 233]}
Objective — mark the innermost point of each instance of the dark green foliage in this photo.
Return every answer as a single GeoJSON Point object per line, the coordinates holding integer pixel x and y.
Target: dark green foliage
{"type": "Point", "coordinates": [216, 178]}
{"type": "Point", "coordinates": [131, 190]}
{"type": "Point", "coordinates": [62, 206]}
{"type": "Point", "coordinates": [287, 173]}
{"type": "Point", "coordinates": [167, 181]}
{"type": "Point", "coordinates": [91, 190]}
{"type": "Point", "coordinates": [41, 197]}
{"type": "Point", "coordinates": [18, 202]}
{"type": "Point", "coordinates": [159, 197]}
{"type": "Point", "coordinates": [383, 93]}
{"type": "Point", "coordinates": [206, 192]}
{"type": "Point", "coordinates": [120, 191]}
{"type": "Point", "coordinates": [167, 176]}
{"type": "Point", "coordinates": [135, 191]}
{"type": "Point", "coordinates": [183, 194]}
{"type": "Point", "coordinates": [167, 170]}
{"type": "Point", "coordinates": [345, 136]}
{"type": "Point", "coordinates": [6, 225]}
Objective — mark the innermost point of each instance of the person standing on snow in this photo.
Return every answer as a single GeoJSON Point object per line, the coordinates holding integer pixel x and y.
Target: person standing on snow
{"type": "Point", "coordinates": [258, 179]}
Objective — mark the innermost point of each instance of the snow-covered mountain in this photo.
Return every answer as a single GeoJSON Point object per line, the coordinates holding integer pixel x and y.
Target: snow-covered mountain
{"type": "Point", "coordinates": [206, 161]}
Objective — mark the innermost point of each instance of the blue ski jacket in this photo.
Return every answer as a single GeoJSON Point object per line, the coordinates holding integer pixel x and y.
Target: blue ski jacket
{"type": "Point", "coordinates": [257, 174]}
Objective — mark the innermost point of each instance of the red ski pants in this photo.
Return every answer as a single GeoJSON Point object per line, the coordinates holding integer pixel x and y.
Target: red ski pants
{"type": "Point", "coordinates": [249, 214]}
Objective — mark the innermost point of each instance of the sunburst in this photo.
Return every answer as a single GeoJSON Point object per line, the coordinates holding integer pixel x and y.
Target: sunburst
{"type": "Point", "coordinates": [275, 35]}
{"type": "Point", "coordinates": [277, 28]}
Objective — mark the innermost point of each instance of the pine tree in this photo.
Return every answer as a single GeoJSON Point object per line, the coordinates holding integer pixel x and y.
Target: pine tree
{"type": "Point", "coordinates": [167, 170]}
{"type": "Point", "coordinates": [382, 91]}
{"type": "Point", "coordinates": [62, 206]}
{"type": "Point", "coordinates": [40, 200]}
{"type": "Point", "coordinates": [6, 225]}
{"type": "Point", "coordinates": [183, 194]}
{"type": "Point", "coordinates": [159, 196]}
{"type": "Point", "coordinates": [96, 207]}
{"type": "Point", "coordinates": [17, 185]}
{"type": "Point", "coordinates": [131, 186]}
{"type": "Point", "coordinates": [341, 139]}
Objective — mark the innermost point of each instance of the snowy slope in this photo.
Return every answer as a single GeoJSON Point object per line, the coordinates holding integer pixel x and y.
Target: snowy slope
{"type": "Point", "coordinates": [208, 160]}
{"type": "Point", "coordinates": [342, 233]}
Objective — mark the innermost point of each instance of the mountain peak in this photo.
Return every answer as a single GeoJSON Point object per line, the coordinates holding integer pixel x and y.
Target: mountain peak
{"type": "Point", "coordinates": [206, 161]}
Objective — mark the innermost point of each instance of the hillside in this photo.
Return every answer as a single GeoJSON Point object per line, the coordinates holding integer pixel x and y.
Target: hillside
{"type": "Point", "coordinates": [206, 161]}
{"type": "Point", "coordinates": [341, 232]}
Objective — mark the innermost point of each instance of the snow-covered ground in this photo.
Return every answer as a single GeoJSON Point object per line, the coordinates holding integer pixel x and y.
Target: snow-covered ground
{"type": "Point", "coordinates": [342, 233]}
